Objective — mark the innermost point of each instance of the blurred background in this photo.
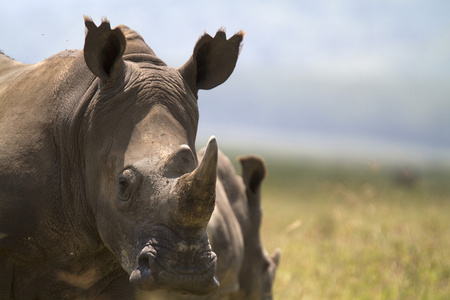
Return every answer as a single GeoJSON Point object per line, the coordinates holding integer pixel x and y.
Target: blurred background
{"type": "Point", "coordinates": [348, 101]}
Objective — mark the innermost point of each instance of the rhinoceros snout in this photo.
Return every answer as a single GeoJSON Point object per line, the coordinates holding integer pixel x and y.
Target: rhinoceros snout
{"type": "Point", "coordinates": [171, 263]}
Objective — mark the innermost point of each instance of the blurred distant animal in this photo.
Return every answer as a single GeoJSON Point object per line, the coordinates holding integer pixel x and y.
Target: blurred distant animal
{"type": "Point", "coordinates": [406, 177]}
{"type": "Point", "coordinates": [100, 185]}
{"type": "Point", "coordinates": [244, 269]}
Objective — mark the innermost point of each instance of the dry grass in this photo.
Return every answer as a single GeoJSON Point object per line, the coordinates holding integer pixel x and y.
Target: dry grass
{"type": "Point", "coordinates": [351, 232]}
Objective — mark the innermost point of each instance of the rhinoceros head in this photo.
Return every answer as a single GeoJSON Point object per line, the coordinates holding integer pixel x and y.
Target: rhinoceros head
{"type": "Point", "coordinates": [151, 198]}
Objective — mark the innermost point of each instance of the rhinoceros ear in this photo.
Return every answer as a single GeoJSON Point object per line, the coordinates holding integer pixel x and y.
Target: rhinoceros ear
{"type": "Point", "coordinates": [212, 61]}
{"type": "Point", "coordinates": [103, 49]}
{"type": "Point", "coordinates": [253, 173]}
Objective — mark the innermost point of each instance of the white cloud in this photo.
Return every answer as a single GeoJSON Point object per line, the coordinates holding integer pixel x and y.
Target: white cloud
{"type": "Point", "coordinates": [351, 60]}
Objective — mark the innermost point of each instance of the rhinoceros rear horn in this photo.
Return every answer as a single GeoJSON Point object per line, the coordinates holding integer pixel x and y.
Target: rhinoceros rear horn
{"type": "Point", "coordinates": [196, 191]}
{"type": "Point", "coordinates": [180, 162]}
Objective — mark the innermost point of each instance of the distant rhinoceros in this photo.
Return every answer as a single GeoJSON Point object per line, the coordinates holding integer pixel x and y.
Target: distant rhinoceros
{"type": "Point", "coordinates": [244, 269]}
{"type": "Point", "coordinates": [258, 269]}
{"type": "Point", "coordinates": [257, 273]}
{"type": "Point", "coordinates": [100, 185]}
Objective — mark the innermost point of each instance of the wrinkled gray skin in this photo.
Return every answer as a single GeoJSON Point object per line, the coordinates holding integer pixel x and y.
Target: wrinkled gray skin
{"type": "Point", "coordinates": [99, 182]}
{"type": "Point", "coordinates": [244, 269]}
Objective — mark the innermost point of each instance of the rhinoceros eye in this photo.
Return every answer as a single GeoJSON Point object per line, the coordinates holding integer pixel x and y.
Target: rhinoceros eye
{"type": "Point", "coordinates": [127, 180]}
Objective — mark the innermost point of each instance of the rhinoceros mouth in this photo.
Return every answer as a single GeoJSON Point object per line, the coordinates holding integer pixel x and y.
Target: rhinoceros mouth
{"type": "Point", "coordinates": [171, 263]}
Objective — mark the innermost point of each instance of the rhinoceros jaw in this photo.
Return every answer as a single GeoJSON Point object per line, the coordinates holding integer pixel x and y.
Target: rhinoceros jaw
{"type": "Point", "coordinates": [199, 284]}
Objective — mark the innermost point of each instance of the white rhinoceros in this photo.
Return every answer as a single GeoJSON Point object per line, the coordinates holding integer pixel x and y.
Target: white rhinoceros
{"type": "Point", "coordinates": [100, 185]}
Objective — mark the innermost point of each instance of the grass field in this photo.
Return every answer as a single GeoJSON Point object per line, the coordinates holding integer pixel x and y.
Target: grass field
{"type": "Point", "coordinates": [353, 232]}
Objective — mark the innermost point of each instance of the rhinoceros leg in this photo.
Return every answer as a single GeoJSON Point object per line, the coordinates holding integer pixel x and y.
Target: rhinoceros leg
{"type": "Point", "coordinates": [6, 278]}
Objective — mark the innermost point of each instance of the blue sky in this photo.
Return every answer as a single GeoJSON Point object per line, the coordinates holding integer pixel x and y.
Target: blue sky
{"type": "Point", "coordinates": [319, 75]}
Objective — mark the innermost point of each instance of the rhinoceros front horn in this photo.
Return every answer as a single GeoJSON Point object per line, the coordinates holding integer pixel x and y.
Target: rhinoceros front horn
{"type": "Point", "coordinates": [196, 191]}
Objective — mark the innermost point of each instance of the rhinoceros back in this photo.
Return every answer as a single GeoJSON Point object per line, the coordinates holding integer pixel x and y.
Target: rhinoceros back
{"type": "Point", "coordinates": [30, 100]}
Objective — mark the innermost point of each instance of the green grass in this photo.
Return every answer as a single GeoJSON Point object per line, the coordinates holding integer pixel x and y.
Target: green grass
{"type": "Point", "coordinates": [352, 232]}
